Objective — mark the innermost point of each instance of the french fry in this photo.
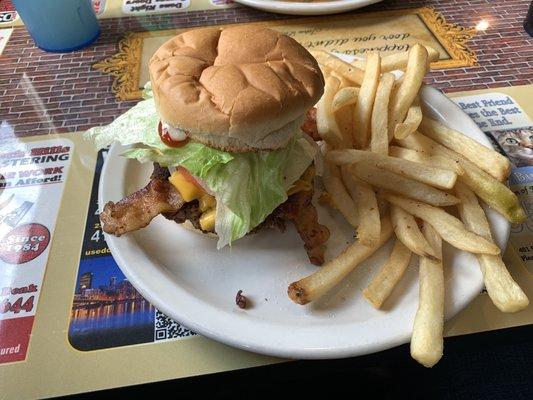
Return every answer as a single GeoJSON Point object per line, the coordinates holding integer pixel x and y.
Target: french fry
{"type": "Point", "coordinates": [341, 67]}
{"type": "Point", "coordinates": [365, 200]}
{"type": "Point", "coordinates": [411, 122]}
{"type": "Point", "coordinates": [447, 226]}
{"type": "Point", "coordinates": [485, 158]}
{"type": "Point", "coordinates": [365, 101]}
{"type": "Point", "coordinates": [345, 97]}
{"type": "Point", "coordinates": [419, 142]}
{"type": "Point", "coordinates": [338, 194]}
{"type": "Point", "coordinates": [418, 156]}
{"type": "Point", "coordinates": [344, 119]}
{"type": "Point", "coordinates": [325, 121]}
{"type": "Point", "coordinates": [406, 230]}
{"type": "Point", "coordinates": [383, 205]}
{"type": "Point", "coordinates": [379, 128]}
{"type": "Point", "coordinates": [380, 288]}
{"type": "Point", "coordinates": [342, 107]}
{"type": "Point", "coordinates": [397, 61]}
{"type": "Point", "coordinates": [489, 189]}
{"type": "Point", "coordinates": [402, 98]}
{"type": "Point", "coordinates": [502, 289]}
{"type": "Point", "coordinates": [437, 177]}
{"type": "Point", "coordinates": [342, 80]}
{"type": "Point", "coordinates": [326, 71]}
{"type": "Point", "coordinates": [366, 108]}
{"type": "Point", "coordinates": [395, 183]}
{"type": "Point", "coordinates": [330, 274]}
{"type": "Point", "coordinates": [493, 192]}
{"type": "Point", "coordinates": [427, 342]}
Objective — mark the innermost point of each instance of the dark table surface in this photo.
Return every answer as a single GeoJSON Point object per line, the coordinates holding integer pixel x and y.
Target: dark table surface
{"type": "Point", "coordinates": [490, 365]}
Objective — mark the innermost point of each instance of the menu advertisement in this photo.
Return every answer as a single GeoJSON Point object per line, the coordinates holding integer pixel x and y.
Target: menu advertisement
{"type": "Point", "coordinates": [8, 14]}
{"type": "Point", "coordinates": [511, 132]}
{"type": "Point", "coordinates": [32, 177]}
{"type": "Point", "coordinates": [107, 311]}
{"type": "Point", "coordinates": [141, 7]}
{"type": "Point", "coordinates": [124, 8]}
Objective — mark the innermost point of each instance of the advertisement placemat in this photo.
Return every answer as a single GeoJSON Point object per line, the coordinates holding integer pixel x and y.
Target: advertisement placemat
{"type": "Point", "coordinates": [32, 179]}
{"type": "Point", "coordinates": [124, 8]}
{"type": "Point", "coordinates": [88, 316]}
{"type": "Point", "coordinates": [93, 331]}
{"type": "Point", "coordinates": [107, 311]}
{"type": "Point", "coordinates": [505, 115]}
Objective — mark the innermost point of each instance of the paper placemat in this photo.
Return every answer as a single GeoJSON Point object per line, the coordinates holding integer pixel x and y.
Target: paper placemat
{"type": "Point", "coordinates": [125, 8]}
{"type": "Point", "coordinates": [89, 322]}
{"type": "Point", "coordinates": [506, 116]}
{"type": "Point", "coordinates": [59, 362]}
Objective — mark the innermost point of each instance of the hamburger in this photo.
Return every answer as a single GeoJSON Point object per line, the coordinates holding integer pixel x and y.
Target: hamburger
{"type": "Point", "coordinates": [221, 123]}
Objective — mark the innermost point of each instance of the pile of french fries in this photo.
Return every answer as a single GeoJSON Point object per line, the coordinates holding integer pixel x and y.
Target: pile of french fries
{"type": "Point", "coordinates": [390, 169]}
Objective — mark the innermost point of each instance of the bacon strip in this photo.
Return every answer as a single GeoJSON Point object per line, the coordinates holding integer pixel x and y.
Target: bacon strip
{"type": "Point", "coordinates": [160, 197]}
{"type": "Point", "coordinates": [138, 209]}
{"type": "Point", "coordinates": [309, 125]}
{"type": "Point", "coordinates": [299, 209]}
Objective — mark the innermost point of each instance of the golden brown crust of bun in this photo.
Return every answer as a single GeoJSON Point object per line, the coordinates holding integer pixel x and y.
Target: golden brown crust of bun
{"type": "Point", "coordinates": [238, 85]}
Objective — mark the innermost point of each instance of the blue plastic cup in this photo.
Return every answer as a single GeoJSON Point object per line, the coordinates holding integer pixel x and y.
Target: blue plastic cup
{"type": "Point", "coordinates": [59, 25]}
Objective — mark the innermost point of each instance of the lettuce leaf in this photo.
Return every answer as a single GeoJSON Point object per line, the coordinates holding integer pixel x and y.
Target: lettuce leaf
{"type": "Point", "coordinates": [138, 125]}
{"type": "Point", "coordinates": [252, 185]}
{"type": "Point", "coordinates": [193, 156]}
{"type": "Point", "coordinates": [247, 186]}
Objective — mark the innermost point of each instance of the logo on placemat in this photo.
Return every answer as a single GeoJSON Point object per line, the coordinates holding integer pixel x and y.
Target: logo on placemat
{"type": "Point", "coordinates": [7, 12]}
{"type": "Point", "coordinates": [24, 243]}
{"type": "Point", "coordinates": [150, 7]}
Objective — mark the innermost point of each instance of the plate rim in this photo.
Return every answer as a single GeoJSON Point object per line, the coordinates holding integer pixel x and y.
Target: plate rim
{"type": "Point", "coordinates": [304, 8]}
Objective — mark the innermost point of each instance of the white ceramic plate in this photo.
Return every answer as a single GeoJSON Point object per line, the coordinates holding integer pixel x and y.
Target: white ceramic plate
{"type": "Point", "coordinates": [183, 275]}
{"type": "Point", "coordinates": [307, 8]}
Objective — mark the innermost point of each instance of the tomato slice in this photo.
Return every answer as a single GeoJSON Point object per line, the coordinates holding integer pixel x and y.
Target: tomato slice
{"type": "Point", "coordinates": [188, 177]}
{"type": "Point", "coordinates": [165, 137]}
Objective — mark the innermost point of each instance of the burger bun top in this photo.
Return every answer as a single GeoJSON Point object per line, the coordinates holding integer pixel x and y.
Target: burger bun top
{"type": "Point", "coordinates": [242, 88]}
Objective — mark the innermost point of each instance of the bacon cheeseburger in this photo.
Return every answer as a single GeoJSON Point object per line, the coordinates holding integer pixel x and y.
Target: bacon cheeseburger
{"type": "Point", "coordinates": [223, 131]}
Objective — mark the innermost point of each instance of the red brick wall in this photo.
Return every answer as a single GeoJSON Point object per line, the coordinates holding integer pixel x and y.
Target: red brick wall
{"type": "Point", "coordinates": [44, 92]}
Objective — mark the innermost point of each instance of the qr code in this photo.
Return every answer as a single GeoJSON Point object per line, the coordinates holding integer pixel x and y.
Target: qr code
{"type": "Point", "coordinates": [166, 328]}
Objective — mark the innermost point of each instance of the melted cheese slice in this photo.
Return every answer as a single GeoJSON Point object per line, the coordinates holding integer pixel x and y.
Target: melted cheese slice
{"type": "Point", "coordinates": [207, 220]}
{"type": "Point", "coordinates": [188, 190]}
{"type": "Point", "coordinates": [207, 203]}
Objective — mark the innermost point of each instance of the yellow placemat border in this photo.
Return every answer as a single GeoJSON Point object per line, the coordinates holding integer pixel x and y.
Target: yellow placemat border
{"type": "Point", "coordinates": [125, 65]}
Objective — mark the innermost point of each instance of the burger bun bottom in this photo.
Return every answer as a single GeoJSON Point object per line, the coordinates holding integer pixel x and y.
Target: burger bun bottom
{"type": "Point", "coordinates": [189, 226]}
